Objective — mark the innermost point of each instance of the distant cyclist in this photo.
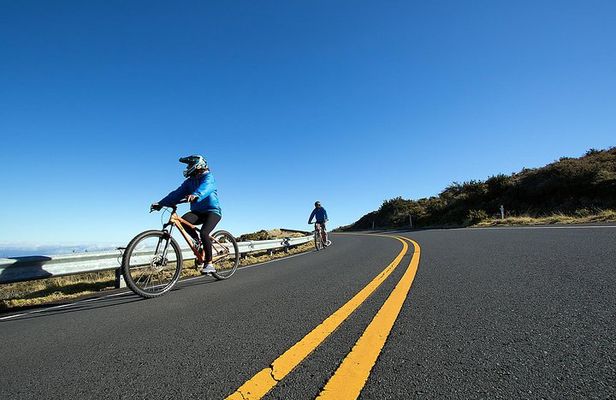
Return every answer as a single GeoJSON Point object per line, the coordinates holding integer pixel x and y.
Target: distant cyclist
{"type": "Point", "coordinates": [199, 189]}
{"type": "Point", "coordinates": [320, 216]}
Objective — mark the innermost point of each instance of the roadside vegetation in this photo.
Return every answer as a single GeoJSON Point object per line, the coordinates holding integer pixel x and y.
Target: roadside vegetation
{"type": "Point", "coordinates": [570, 190]}
{"type": "Point", "coordinates": [61, 289]}
{"type": "Point", "coordinates": [579, 217]}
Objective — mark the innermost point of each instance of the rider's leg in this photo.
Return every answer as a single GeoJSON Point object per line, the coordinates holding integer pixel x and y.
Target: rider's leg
{"type": "Point", "coordinates": [323, 233]}
{"type": "Point", "coordinates": [210, 220]}
{"type": "Point", "coordinates": [193, 219]}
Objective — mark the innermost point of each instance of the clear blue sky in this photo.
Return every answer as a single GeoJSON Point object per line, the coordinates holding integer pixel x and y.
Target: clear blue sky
{"type": "Point", "coordinates": [348, 102]}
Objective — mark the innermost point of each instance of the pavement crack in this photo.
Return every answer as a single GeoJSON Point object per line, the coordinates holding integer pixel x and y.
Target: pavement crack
{"type": "Point", "coordinates": [259, 385]}
{"type": "Point", "coordinates": [271, 371]}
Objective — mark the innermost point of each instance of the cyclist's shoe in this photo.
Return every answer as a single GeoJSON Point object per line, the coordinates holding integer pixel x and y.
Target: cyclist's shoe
{"type": "Point", "coordinates": [208, 270]}
{"type": "Point", "coordinates": [328, 243]}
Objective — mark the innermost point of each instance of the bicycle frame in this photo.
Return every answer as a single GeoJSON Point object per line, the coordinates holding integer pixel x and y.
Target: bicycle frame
{"type": "Point", "coordinates": [319, 228]}
{"type": "Point", "coordinates": [179, 222]}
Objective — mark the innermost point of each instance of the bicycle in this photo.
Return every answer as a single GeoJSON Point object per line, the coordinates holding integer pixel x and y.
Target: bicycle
{"type": "Point", "coordinates": [152, 262]}
{"type": "Point", "coordinates": [318, 236]}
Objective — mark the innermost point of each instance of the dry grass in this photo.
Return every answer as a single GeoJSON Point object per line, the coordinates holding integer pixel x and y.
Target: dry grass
{"type": "Point", "coordinates": [603, 216]}
{"type": "Point", "coordinates": [42, 291]}
{"type": "Point", "coordinates": [278, 233]}
{"type": "Point", "coordinates": [59, 289]}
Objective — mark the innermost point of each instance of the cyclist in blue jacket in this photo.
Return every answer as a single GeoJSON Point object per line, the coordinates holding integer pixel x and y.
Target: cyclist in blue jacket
{"type": "Point", "coordinates": [199, 189]}
{"type": "Point", "coordinates": [320, 216]}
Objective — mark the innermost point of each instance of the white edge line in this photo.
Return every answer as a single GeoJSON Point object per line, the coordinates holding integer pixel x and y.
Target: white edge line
{"type": "Point", "coordinates": [480, 228]}
{"type": "Point", "coordinates": [128, 291]}
{"type": "Point", "coordinates": [536, 227]}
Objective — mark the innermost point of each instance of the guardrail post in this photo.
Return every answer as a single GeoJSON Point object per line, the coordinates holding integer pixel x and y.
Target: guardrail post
{"type": "Point", "coordinates": [119, 278]}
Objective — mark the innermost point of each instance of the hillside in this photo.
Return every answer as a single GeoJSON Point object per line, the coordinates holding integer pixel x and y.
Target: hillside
{"type": "Point", "coordinates": [570, 186]}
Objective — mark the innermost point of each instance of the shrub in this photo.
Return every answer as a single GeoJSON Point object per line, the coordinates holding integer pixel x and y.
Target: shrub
{"type": "Point", "coordinates": [475, 216]}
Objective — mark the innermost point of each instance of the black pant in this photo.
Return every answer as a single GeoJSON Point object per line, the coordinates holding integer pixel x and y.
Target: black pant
{"type": "Point", "coordinates": [209, 221]}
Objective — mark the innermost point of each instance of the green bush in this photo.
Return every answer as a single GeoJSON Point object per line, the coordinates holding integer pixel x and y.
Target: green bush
{"type": "Point", "coordinates": [475, 216]}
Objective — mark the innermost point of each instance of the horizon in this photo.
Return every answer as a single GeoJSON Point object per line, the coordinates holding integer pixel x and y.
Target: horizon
{"type": "Point", "coordinates": [347, 103]}
{"type": "Point", "coordinates": [11, 249]}
{"type": "Point", "coordinates": [21, 249]}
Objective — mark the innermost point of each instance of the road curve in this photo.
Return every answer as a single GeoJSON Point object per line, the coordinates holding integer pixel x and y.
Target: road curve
{"type": "Point", "coordinates": [506, 313]}
{"type": "Point", "coordinates": [204, 339]}
{"type": "Point", "coordinates": [491, 313]}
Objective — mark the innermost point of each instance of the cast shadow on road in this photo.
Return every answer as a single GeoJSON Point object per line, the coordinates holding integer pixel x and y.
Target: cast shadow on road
{"type": "Point", "coordinates": [78, 306]}
{"type": "Point", "coordinates": [202, 280]}
{"type": "Point", "coordinates": [93, 303]}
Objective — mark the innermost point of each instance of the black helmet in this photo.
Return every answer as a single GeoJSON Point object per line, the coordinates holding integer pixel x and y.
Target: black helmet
{"type": "Point", "coordinates": [317, 203]}
{"type": "Point", "coordinates": [193, 163]}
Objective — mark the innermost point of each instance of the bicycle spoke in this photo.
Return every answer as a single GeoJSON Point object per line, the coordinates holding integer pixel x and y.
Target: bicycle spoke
{"type": "Point", "coordinates": [140, 277]}
{"type": "Point", "coordinates": [147, 282]}
{"type": "Point", "coordinates": [161, 276]}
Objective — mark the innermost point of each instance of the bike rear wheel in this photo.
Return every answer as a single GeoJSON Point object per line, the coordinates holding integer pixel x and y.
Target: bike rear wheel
{"type": "Point", "coordinates": [225, 253]}
{"type": "Point", "coordinates": [152, 263]}
{"type": "Point", "coordinates": [318, 240]}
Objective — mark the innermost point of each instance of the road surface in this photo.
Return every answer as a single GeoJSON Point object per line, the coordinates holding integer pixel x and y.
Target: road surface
{"type": "Point", "coordinates": [491, 313]}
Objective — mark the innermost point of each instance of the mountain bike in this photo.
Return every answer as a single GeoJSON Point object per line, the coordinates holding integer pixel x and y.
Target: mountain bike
{"type": "Point", "coordinates": [153, 260]}
{"type": "Point", "coordinates": [318, 236]}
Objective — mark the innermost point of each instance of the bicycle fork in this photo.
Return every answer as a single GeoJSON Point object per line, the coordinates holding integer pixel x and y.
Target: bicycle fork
{"type": "Point", "coordinates": [166, 238]}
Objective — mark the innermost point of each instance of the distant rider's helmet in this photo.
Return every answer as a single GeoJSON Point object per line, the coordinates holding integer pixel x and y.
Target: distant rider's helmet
{"type": "Point", "coordinates": [193, 163]}
{"type": "Point", "coordinates": [317, 204]}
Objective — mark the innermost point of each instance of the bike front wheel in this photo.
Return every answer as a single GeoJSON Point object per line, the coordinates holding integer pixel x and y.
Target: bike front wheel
{"type": "Point", "coordinates": [318, 240]}
{"type": "Point", "coordinates": [152, 263]}
{"type": "Point", "coordinates": [225, 253]}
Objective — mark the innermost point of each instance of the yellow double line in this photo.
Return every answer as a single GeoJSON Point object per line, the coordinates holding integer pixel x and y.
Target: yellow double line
{"type": "Point", "coordinates": [348, 381]}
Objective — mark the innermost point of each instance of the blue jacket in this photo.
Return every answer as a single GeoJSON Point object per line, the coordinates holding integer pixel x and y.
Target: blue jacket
{"type": "Point", "coordinates": [319, 213]}
{"type": "Point", "coordinates": [202, 186]}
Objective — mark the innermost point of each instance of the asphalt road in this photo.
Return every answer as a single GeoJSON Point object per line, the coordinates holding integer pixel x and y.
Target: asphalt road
{"type": "Point", "coordinates": [492, 313]}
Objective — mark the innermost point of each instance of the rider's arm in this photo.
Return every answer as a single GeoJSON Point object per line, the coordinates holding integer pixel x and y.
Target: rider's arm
{"type": "Point", "coordinates": [312, 216]}
{"type": "Point", "coordinates": [205, 188]}
{"type": "Point", "coordinates": [174, 197]}
{"type": "Point", "coordinates": [325, 212]}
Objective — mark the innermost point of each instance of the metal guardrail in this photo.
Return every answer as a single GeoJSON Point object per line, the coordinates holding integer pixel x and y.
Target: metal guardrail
{"type": "Point", "coordinates": [19, 269]}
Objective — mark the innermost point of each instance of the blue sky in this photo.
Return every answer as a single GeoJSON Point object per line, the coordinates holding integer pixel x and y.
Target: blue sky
{"type": "Point", "coordinates": [348, 102]}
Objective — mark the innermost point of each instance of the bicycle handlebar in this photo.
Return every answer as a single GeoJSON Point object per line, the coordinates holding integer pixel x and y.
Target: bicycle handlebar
{"type": "Point", "coordinates": [174, 208]}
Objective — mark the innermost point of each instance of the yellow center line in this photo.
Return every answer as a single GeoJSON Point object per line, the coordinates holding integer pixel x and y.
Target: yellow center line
{"type": "Point", "coordinates": [261, 383]}
{"type": "Point", "coordinates": [351, 376]}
